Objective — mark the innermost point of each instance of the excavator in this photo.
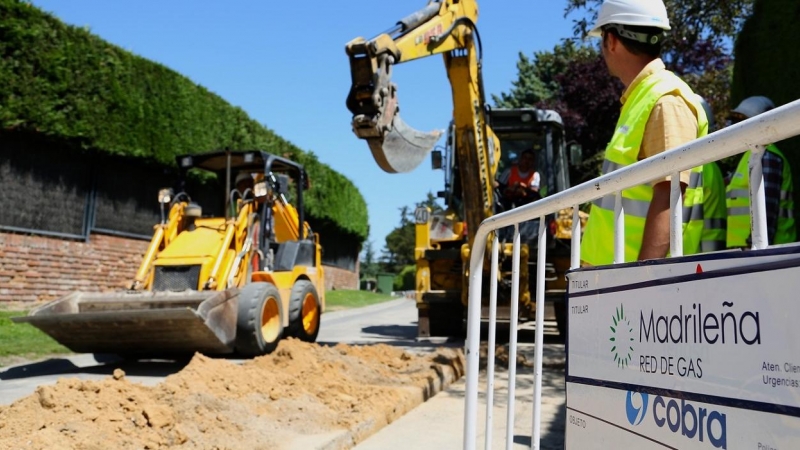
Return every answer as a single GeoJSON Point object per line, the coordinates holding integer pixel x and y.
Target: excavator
{"type": "Point", "coordinates": [480, 142]}
{"type": "Point", "coordinates": [231, 284]}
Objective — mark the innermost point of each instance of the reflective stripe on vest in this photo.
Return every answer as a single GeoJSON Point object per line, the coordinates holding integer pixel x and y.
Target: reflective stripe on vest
{"type": "Point", "coordinates": [738, 204]}
{"type": "Point", "coordinates": [693, 212]}
{"type": "Point", "coordinates": [714, 210]}
{"type": "Point", "coordinates": [623, 150]}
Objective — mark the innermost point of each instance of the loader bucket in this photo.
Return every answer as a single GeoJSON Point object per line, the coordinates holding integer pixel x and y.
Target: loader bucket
{"type": "Point", "coordinates": [136, 322]}
{"type": "Point", "coordinates": [403, 148]}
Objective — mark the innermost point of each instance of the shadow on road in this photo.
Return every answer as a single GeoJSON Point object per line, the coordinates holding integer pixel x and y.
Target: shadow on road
{"type": "Point", "coordinates": [106, 364]}
{"type": "Point", "coordinates": [392, 331]}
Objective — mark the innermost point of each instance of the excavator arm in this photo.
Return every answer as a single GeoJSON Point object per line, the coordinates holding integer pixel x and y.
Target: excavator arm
{"type": "Point", "coordinates": [443, 27]}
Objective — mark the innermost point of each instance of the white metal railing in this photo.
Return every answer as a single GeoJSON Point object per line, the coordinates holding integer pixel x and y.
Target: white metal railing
{"type": "Point", "coordinates": [752, 134]}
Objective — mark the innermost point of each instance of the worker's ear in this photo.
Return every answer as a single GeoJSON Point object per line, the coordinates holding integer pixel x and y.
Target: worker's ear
{"type": "Point", "coordinates": [613, 42]}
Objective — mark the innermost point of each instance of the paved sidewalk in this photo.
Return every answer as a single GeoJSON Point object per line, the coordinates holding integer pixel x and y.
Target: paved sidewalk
{"type": "Point", "coordinates": [439, 422]}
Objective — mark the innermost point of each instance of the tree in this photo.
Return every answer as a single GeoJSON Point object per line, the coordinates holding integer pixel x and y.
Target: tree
{"type": "Point", "coordinates": [431, 202]}
{"type": "Point", "coordinates": [588, 102]}
{"type": "Point", "coordinates": [537, 78]}
{"type": "Point", "coordinates": [369, 263]}
{"type": "Point", "coordinates": [399, 249]}
{"type": "Point", "coordinates": [577, 86]}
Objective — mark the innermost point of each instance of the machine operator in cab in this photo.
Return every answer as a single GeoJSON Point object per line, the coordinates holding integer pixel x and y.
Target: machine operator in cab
{"type": "Point", "coordinates": [519, 183]}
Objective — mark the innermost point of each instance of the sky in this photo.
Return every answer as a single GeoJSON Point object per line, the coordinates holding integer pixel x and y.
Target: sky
{"type": "Point", "coordinates": [284, 63]}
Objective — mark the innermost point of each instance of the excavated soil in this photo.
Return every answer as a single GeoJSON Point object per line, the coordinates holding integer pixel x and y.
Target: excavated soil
{"type": "Point", "coordinates": [275, 401]}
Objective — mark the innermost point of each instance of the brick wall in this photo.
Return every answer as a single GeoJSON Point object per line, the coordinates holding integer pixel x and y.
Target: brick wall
{"type": "Point", "coordinates": [336, 278]}
{"type": "Point", "coordinates": [37, 268]}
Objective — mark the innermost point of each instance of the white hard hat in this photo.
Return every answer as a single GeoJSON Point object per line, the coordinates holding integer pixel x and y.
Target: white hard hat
{"type": "Point", "coordinates": [753, 106]}
{"type": "Point", "coordinates": [712, 124]}
{"type": "Point", "coordinates": [645, 13]}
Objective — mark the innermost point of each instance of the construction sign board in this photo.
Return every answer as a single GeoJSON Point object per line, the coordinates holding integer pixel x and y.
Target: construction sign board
{"type": "Point", "coordinates": [694, 352]}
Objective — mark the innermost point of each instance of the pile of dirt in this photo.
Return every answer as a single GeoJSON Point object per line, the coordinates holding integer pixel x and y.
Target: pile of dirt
{"type": "Point", "coordinates": [298, 391]}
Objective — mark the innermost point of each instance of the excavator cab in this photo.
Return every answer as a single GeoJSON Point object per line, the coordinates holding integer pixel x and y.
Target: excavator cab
{"type": "Point", "coordinates": [232, 281]}
{"type": "Point", "coordinates": [440, 237]}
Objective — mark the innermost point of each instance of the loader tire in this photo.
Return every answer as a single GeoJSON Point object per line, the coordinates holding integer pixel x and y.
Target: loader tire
{"type": "Point", "coordinates": [259, 322]}
{"type": "Point", "coordinates": [304, 312]}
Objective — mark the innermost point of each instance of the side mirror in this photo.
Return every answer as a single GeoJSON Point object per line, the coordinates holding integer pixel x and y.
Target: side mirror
{"type": "Point", "coordinates": [575, 153]}
{"type": "Point", "coordinates": [436, 159]}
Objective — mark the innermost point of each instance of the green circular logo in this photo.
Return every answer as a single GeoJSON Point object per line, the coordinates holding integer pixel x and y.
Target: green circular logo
{"type": "Point", "coordinates": [621, 338]}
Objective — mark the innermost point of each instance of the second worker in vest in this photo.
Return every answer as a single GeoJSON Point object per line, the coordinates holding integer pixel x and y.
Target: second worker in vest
{"type": "Point", "coordinates": [778, 187]}
{"type": "Point", "coordinates": [659, 112]}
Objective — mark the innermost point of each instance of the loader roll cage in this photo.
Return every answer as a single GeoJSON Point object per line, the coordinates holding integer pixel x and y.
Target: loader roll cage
{"type": "Point", "coordinates": [224, 163]}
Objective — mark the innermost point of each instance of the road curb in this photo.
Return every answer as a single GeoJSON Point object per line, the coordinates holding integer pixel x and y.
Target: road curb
{"type": "Point", "coordinates": [441, 375]}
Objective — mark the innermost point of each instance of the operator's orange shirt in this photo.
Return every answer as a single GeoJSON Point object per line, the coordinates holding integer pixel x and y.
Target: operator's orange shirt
{"type": "Point", "coordinates": [530, 178]}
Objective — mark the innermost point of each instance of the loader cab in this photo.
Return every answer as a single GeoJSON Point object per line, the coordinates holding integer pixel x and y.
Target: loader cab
{"type": "Point", "coordinates": [270, 187]}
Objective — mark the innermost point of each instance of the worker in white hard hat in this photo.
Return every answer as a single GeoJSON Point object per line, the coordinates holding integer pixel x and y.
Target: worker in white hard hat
{"type": "Point", "coordinates": [778, 187]}
{"type": "Point", "coordinates": [659, 112]}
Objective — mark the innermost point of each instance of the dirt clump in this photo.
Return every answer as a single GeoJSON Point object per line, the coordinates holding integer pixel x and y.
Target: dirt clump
{"type": "Point", "coordinates": [269, 402]}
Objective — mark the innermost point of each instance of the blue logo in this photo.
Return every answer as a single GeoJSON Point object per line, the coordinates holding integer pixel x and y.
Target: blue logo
{"type": "Point", "coordinates": [636, 413]}
{"type": "Point", "coordinates": [681, 417]}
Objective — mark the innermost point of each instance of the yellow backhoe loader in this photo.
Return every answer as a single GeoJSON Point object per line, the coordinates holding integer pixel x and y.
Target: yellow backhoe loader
{"type": "Point", "coordinates": [480, 142]}
{"type": "Point", "coordinates": [232, 284]}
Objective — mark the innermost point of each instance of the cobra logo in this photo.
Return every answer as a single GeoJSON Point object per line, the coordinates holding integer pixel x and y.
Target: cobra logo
{"type": "Point", "coordinates": [637, 411]}
{"type": "Point", "coordinates": [681, 417]}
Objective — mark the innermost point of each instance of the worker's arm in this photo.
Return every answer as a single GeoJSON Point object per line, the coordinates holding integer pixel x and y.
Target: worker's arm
{"type": "Point", "coordinates": [671, 124]}
{"type": "Point", "coordinates": [655, 241]}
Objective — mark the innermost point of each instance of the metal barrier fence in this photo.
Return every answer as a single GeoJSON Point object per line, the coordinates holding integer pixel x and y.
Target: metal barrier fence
{"type": "Point", "coordinates": [752, 134]}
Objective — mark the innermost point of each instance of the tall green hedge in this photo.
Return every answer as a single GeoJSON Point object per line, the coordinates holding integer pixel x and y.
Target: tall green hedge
{"type": "Point", "coordinates": [64, 81]}
{"type": "Point", "coordinates": [768, 63]}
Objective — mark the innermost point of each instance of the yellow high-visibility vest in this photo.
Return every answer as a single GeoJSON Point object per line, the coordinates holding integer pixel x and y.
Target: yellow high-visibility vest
{"type": "Point", "coordinates": [597, 245]}
{"type": "Point", "coordinates": [738, 203]}
{"type": "Point", "coordinates": [715, 213]}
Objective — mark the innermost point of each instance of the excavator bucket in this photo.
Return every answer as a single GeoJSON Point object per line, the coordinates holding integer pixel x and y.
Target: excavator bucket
{"type": "Point", "coordinates": [402, 148]}
{"type": "Point", "coordinates": [396, 147]}
{"type": "Point", "coordinates": [141, 322]}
